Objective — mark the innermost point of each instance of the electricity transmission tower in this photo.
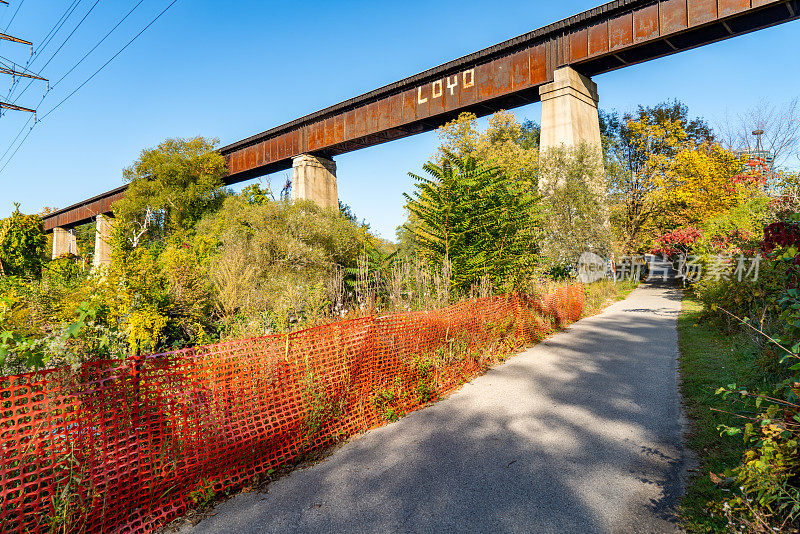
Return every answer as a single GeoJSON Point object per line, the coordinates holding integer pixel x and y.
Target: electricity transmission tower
{"type": "Point", "coordinates": [11, 69]}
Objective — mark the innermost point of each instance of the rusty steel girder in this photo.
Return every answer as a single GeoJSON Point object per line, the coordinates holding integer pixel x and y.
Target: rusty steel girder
{"type": "Point", "coordinates": [506, 75]}
{"type": "Point", "coordinates": [84, 211]}
{"type": "Point", "coordinates": [503, 76]}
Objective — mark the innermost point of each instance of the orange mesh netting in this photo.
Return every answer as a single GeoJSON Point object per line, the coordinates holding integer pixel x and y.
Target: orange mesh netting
{"type": "Point", "coordinates": [126, 445]}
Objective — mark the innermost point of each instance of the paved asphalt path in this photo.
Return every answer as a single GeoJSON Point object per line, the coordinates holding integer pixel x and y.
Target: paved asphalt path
{"type": "Point", "coordinates": [581, 433]}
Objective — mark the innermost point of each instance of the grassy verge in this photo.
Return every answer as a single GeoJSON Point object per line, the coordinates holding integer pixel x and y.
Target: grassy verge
{"type": "Point", "coordinates": [603, 293]}
{"type": "Point", "coordinates": [710, 358]}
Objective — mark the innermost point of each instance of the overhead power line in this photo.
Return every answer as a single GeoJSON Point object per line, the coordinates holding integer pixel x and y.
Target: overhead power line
{"type": "Point", "coordinates": [70, 35]}
{"type": "Point", "coordinates": [128, 14]}
{"type": "Point", "coordinates": [17, 136]}
{"type": "Point", "coordinates": [55, 29]}
{"type": "Point", "coordinates": [18, 96]}
{"type": "Point", "coordinates": [45, 41]}
{"type": "Point", "coordinates": [5, 61]}
{"type": "Point", "coordinates": [95, 73]}
{"type": "Point", "coordinates": [14, 15]}
{"type": "Point", "coordinates": [13, 72]}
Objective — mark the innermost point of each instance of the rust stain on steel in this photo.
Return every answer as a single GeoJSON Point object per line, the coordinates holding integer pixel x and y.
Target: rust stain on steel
{"type": "Point", "coordinates": [499, 77]}
{"type": "Point", "coordinates": [702, 11]}
{"type": "Point", "coordinates": [372, 117]}
{"type": "Point", "coordinates": [674, 17]}
{"type": "Point", "coordinates": [409, 106]}
{"type": "Point", "coordinates": [383, 114]}
{"type": "Point", "coordinates": [557, 51]}
{"type": "Point", "coordinates": [483, 77]}
{"type": "Point", "coordinates": [338, 129]}
{"type": "Point", "coordinates": [327, 127]}
{"type": "Point", "coordinates": [645, 23]}
{"type": "Point", "coordinates": [361, 122]}
{"type": "Point", "coordinates": [731, 7]}
{"type": "Point", "coordinates": [274, 148]}
{"type": "Point", "coordinates": [270, 150]}
{"type": "Point", "coordinates": [423, 101]}
{"type": "Point", "coordinates": [83, 212]}
{"type": "Point", "coordinates": [319, 134]}
{"type": "Point", "coordinates": [311, 140]}
{"type": "Point", "coordinates": [520, 70]}
{"type": "Point", "coordinates": [503, 74]}
{"type": "Point", "coordinates": [280, 141]}
{"type": "Point", "coordinates": [495, 86]}
{"type": "Point", "coordinates": [395, 111]}
{"type": "Point", "coordinates": [579, 45]}
{"type": "Point", "coordinates": [468, 90]}
{"type": "Point", "coordinates": [449, 94]}
{"type": "Point", "coordinates": [250, 157]}
{"type": "Point", "coordinates": [538, 65]}
{"type": "Point", "coordinates": [436, 105]}
{"type": "Point", "coordinates": [598, 39]}
{"type": "Point", "coordinates": [620, 31]}
{"type": "Point", "coordinates": [350, 125]}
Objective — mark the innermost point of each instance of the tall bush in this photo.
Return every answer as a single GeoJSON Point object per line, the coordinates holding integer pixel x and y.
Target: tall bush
{"type": "Point", "coordinates": [576, 214]}
{"type": "Point", "coordinates": [475, 220]}
{"type": "Point", "coordinates": [273, 262]}
{"type": "Point", "coordinates": [22, 245]}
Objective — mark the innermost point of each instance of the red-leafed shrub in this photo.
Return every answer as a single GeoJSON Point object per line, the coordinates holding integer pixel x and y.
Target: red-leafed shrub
{"type": "Point", "coordinates": [678, 241]}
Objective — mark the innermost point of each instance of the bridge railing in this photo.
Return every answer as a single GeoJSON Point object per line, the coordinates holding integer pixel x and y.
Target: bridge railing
{"type": "Point", "coordinates": [130, 445]}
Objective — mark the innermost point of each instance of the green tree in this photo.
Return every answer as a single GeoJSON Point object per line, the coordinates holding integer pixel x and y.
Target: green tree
{"type": "Point", "coordinates": [171, 187]}
{"type": "Point", "coordinates": [22, 245]}
{"type": "Point", "coordinates": [256, 194]}
{"type": "Point", "coordinates": [575, 213]}
{"type": "Point", "coordinates": [530, 135]}
{"type": "Point", "coordinates": [474, 218]}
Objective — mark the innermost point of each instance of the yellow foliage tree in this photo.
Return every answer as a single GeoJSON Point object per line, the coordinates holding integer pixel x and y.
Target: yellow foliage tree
{"type": "Point", "coordinates": [698, 184]}
{"type": "Point", "coordinates": [505, 144]}
{"type": "Point", "coordinates": [673, 180]}
{"type": "Point", "coordinates": [137, 296]}
{"type": "Point", "coordinates": [633, 192]}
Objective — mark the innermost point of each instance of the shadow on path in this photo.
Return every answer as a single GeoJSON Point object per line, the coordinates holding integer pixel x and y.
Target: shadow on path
{"type": "Point", "coordinates": [581, 433]}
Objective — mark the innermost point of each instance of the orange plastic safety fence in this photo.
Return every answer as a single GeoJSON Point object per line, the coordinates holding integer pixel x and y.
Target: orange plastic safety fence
{"type": "Point", "coordinates": [126, 445]}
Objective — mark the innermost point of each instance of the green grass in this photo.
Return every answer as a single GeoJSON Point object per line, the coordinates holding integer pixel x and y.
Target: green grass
{"type": "Point", "coordinates": [710, 358]}
{"type": "Point", "coordinates": [603, 293]}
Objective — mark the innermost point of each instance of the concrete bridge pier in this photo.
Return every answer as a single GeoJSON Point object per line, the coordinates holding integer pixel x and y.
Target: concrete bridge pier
{"type": "Point", "coordinates": [569, 111]}
{"type": "Point", "coordinates": [64, 242]}
{"type": "Point", "coordinates": [314, 178]}
{"type": "Point", "coordinates": [102, 241]}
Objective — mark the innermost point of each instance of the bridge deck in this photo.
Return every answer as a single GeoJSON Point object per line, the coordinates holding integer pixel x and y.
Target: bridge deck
{"type": "Point", "coordinates": [503, 76]}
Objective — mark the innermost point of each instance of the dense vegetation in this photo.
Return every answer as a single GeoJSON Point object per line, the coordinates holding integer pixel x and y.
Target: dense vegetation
{"type": "Point", "coordinates": [732, 227]}
{"type": "Point", "coordinates": [194, 262]}
{"type": "Point", "coordinates": [740, 340]}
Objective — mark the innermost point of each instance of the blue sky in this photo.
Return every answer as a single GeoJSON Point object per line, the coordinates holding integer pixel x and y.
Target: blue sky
{"type": "Point", "coordinates": [233, 69]}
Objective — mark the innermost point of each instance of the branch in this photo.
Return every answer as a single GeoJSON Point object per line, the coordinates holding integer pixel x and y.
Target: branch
{"type": "Point", "coordinates": [758, 330]}
{"type": "Point", "coordinates": [148, 217]}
